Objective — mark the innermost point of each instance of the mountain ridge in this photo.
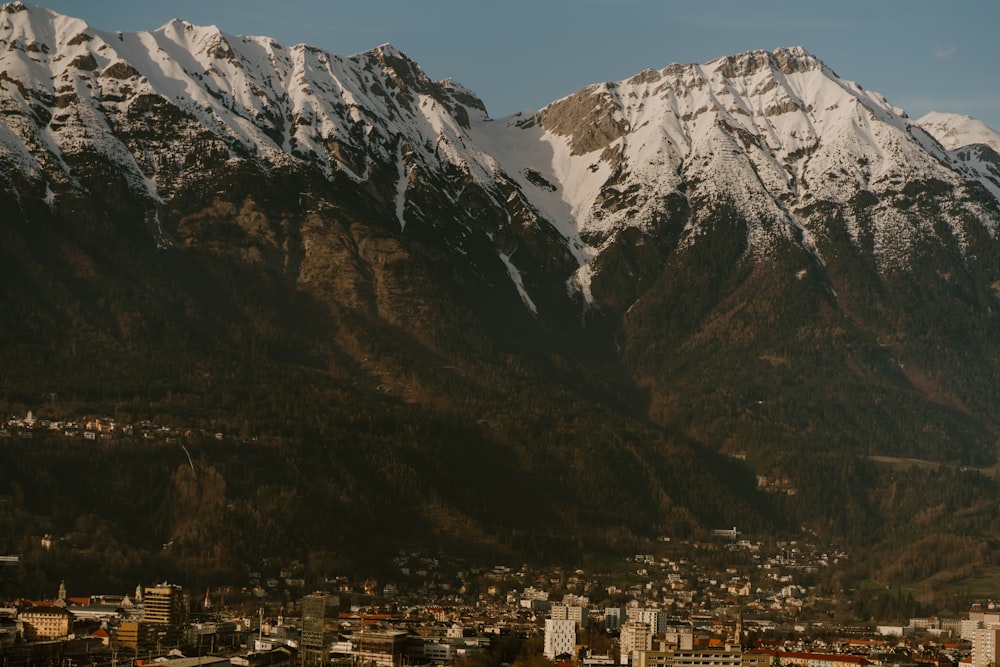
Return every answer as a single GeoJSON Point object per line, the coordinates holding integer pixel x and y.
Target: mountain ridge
{"type": "Point", "coordinates": [662, 303]}
{"type": "Point", "coordinates": [291, 116]}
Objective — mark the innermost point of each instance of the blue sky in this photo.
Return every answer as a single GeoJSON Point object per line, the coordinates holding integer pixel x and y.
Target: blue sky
{"type": "Point", "coordinates": [521, 54]}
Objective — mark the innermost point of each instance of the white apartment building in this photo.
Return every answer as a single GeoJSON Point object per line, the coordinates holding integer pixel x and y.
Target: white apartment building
{"type": "Point", "coordinates": [635, 636]}
{"type": "Point", "coordinates": [984, 646]}
{"type": "Point", "coordinates": [656, 618]}
{"type": "Point", "coordinates": [560, 637]}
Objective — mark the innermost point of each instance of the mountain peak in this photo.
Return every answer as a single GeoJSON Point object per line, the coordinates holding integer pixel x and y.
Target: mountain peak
{"type": "Point", "coordinates": [789, 60]}
{"type": "Point", "coordinates": [954, 130]}
{"type": "Point", "coordinates": [387, 50]}
{"type": "Point", "coordinates": [34, 13]}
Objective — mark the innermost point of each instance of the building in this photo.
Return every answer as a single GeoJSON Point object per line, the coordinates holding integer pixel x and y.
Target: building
{"type": "Point", "coordinates": [164, 605]}
{"type": "Point", "coordinates": [443, 651]}
{"type": "Point", "coordinates": [93, 611]}
{"type": "Point", "coordinates": [634, 636]}
{"type": "Point", "coordinates": [200, 661]}
{"type": "Point", "coordinates": [685, 654]}
{"type": "Point", "coordinates": [560, 637]}
{"type": "Point", "coordinates": [984, 646]}
{"type": "Point", "coordinates": [282, 656]}
{"type": "Point", "coordinates": [318, 610]}
{"type": "Point", "coordinates": [41, 623]}
{"type": "Point", "coordinates": [135, 635]}
{"type": "Point", "coordinates": [211, 636]}
{"type": "Point", "coordinates": [679, 637]}
{"type": "Point", "coordinates": [675, 656]}
{"type": "Point", "coordinates": [657, 619]}
{"type": "Point", "coordinates": [613, 617]}
{"type": "Point", "coordinates": [165, 612]}
{"type": "Point", "coordinates": [379, 648]}
{"type": "Point", "coordinates": [767, 656]}
{"type": "Point", "coordinates": [754, 658]}
{"type": "Point", "coordinates": [565, 612]}
{"type": "Point", "coordinates": [930, 623]}
{"type": "Point", "coordinates": [968, 627]}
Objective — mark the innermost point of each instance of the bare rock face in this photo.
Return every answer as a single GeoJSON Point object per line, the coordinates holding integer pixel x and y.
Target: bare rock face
{"type": "Point", "coordinates": [590, 118]}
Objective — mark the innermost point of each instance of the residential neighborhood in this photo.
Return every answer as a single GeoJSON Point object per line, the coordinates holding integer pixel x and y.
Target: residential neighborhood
{"type": "Point", "coordinates": [442, 611]}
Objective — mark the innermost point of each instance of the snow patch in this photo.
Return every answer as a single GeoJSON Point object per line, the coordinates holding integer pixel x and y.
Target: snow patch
{"type": "Point", "coordinates": [515, 277]}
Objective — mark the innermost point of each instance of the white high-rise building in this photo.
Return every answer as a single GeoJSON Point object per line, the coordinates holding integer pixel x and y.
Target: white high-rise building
{"type": "Point", "coordinates": [560, 637]}
{"type": "Point", "coordinates": [984, 646]}
{"type": "Point", "coordinates": [656, 618]}
{"type": "Point", "coordinates": [969, 627]}
{"type": "Point", "coordinates": [634, 636]}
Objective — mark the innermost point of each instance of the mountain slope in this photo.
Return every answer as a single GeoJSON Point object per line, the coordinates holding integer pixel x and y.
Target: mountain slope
{"type": "Point", "coordinates": [354, 311]}
{"type": "Point", "coordinates": [708, 293]}
{"type": "Point", "coordinates": [693, 191]}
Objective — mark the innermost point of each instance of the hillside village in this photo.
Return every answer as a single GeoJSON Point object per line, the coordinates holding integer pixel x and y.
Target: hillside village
{"type": "Point", "coordinates": [98, 427]}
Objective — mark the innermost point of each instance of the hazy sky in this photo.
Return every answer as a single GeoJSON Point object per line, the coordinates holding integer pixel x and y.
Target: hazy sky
{"type": "Point", "coordinates": [521, 54]}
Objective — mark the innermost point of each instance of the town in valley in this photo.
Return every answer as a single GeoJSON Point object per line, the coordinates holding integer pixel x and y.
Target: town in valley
{"type": "Point", "coordinates": [728, 601]}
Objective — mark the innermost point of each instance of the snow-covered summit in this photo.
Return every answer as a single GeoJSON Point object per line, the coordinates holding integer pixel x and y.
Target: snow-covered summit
{"type": "Point", "coordinates": [770, 133]}
{"type": "Point", "coordinates": [284, 104]}
{"type": "Point", "coordinates": [774, 137]}
{"type": "Point", "coordinates": [955, 130]}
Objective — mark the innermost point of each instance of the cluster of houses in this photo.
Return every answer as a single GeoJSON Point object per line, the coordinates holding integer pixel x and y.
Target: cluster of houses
{"type": "Point", "coordinates": [91, 428]}
{"type": "Point", "coordinates": [163, 624]}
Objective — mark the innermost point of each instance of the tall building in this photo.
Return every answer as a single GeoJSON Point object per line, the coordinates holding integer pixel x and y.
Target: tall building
{"type": "Point", "coordinates": [576, 613]}
{"type": "Point", "coordinates": [969, 627]}
{"type": "Point", "coordinates": [165, 611]}
{"type": "Point", "coordinates": [635, 636]}
{"type": "Point", "coordinates": [560, 637]}
{"type": "Point", "coordinates": [318, 610]}
{"type": "Point", "coordinates": [379, 648]}
{"type": "Point", "coordinates": [613, 617]}
{"type": "Point", "coordinates": [656, 618]}
{"type": "Point", "coordinates": [984, 646]}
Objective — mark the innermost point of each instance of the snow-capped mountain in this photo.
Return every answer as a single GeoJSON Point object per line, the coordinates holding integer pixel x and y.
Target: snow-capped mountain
{"type": "Point", "coordinates": [770, 134]}
{"type": "Point", "coordinates": [69, 88]}
{"type": "Point", "coordinates": [974, 147]}
{"type": "Point", "coordinates": [749, 255]}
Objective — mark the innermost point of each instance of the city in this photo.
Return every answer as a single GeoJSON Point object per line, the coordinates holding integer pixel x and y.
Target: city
{"type": "Point", "coordinates": [739, 603]}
